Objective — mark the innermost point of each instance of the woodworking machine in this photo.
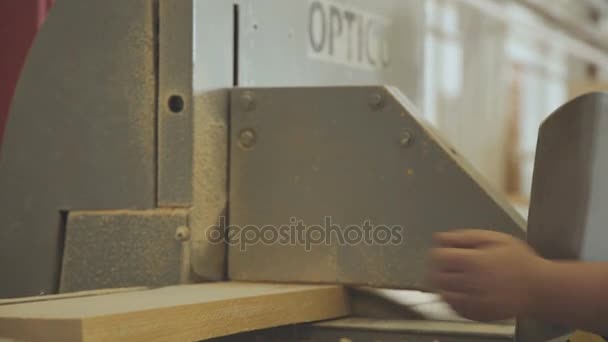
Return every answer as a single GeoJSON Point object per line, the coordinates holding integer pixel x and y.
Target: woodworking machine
{"type": "Point", "coordinates": [143, 131]}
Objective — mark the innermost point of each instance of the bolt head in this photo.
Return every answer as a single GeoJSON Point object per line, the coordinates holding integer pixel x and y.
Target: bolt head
{"type": "Point", "coordinates": [247, 138]}
{"type": "Point", "coordinates": [406, 139]}
{"type": "Point", "coordinates": [182, 233]}
{"type": "Point", "coordinates": [248, 101]}
{"type": "Point", "coordinates": [376, 101]}
{"type": "Point", "coordinates": [176, 103]}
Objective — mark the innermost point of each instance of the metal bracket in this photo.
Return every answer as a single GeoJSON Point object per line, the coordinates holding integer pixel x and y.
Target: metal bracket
{"type": "Point", "coordinates": [125, 248]}
{"type": "Point", "coordinates": [351, 154]}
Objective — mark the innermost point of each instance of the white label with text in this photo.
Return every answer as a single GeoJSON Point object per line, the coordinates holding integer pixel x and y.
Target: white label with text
{"type": "Point", "coordinates": [348, 36]}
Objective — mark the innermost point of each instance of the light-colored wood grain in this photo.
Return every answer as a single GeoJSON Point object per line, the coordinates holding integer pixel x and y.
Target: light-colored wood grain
{"type": "Point", "coordinates": [177, 313]}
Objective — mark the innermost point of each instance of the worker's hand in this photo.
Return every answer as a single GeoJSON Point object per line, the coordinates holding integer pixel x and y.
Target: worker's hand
{"type": "Point", "coordinates": [485, 275]}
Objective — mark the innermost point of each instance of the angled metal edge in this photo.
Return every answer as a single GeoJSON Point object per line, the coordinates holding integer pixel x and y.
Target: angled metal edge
{"type": "Point", "coordinates": [339, 151]}
{"type": "Point", "coordinates": [496, 196]}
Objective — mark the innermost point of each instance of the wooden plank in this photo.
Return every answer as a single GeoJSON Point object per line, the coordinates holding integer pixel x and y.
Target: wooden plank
{"type": "Point", "coordinates": [176, 313]}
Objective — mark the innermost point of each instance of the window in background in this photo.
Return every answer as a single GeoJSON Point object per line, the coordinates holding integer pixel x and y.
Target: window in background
{"type": "Point", "coordinates": [443, 65]}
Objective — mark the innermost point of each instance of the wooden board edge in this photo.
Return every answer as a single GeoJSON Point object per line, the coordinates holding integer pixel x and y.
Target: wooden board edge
{"type": "Point", "coordinates": [195, 322]}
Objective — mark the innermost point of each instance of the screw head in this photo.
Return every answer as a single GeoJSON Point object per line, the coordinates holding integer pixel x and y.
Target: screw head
{"type": "Point", "coordinates": [248, 101]}
{"type": "Point", "coordinates": [376, 101]}
{"type": "Point", "coordinates": [406, 139]}
{"type": "Point", "coordinates": [247, 138]}
{"type": "Point", "coordinates": [182, 233]}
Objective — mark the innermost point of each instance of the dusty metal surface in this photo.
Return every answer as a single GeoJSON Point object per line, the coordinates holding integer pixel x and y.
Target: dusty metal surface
{"type": "Point", "coordinates": [112, 123]}
{"type": "Point", "coordinates": [361, 329]}
{"type": "Point", "coordinates": [193, 152]}
{"type": "Point", "coordinates": [175, 104]}
{"type": "Point", "coordinates": [109, 249]}
{"type": "Point", "coordinates": [209, 186]}
{"type": "Point", "coordinates": [81, 133]}
{"type": "Point", "coordinates": [344, 153]}
{"type": "Point", "coordinates": [104, 135]}
{"type": "Point", "coordinates": [569, 192]}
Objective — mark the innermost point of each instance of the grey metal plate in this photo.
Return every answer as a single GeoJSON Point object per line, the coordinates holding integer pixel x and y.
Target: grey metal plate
{"type": "Point", "coordinates": [567, 210]}
{"type": "Point", "coordinates": [324, 152]}
{"type": "Point", "coordinates": [81, 133]}
{"type": "Point", "coordinates": [113, 249]}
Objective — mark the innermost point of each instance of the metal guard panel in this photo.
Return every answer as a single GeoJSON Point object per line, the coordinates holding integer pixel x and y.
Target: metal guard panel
{"type": "Point", "coordinates": [341, 152]}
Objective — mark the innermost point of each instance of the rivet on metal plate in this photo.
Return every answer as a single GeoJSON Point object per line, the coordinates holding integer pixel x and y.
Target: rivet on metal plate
{"type": "Point", "coordinates": [248, 101]}
{"type": "Point", "coordinates": [247, 138]}
{"type": "Point", "coordinates": [406, 139]}
{"type": "Point", "coordinates": [376, 101]}
{"type": "Point", "coordinates": [182, 233]}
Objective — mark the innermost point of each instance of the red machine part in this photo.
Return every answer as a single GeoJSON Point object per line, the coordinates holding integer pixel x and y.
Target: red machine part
{"type": "Point", "coordinates": [19, 22]}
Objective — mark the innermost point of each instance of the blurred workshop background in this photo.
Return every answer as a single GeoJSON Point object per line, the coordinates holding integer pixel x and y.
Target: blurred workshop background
{"type": "Point", "coordinates": [484, 72]}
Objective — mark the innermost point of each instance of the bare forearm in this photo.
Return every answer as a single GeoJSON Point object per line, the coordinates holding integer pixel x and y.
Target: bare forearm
{"type": "Point", "coordinates": [572, 293]}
